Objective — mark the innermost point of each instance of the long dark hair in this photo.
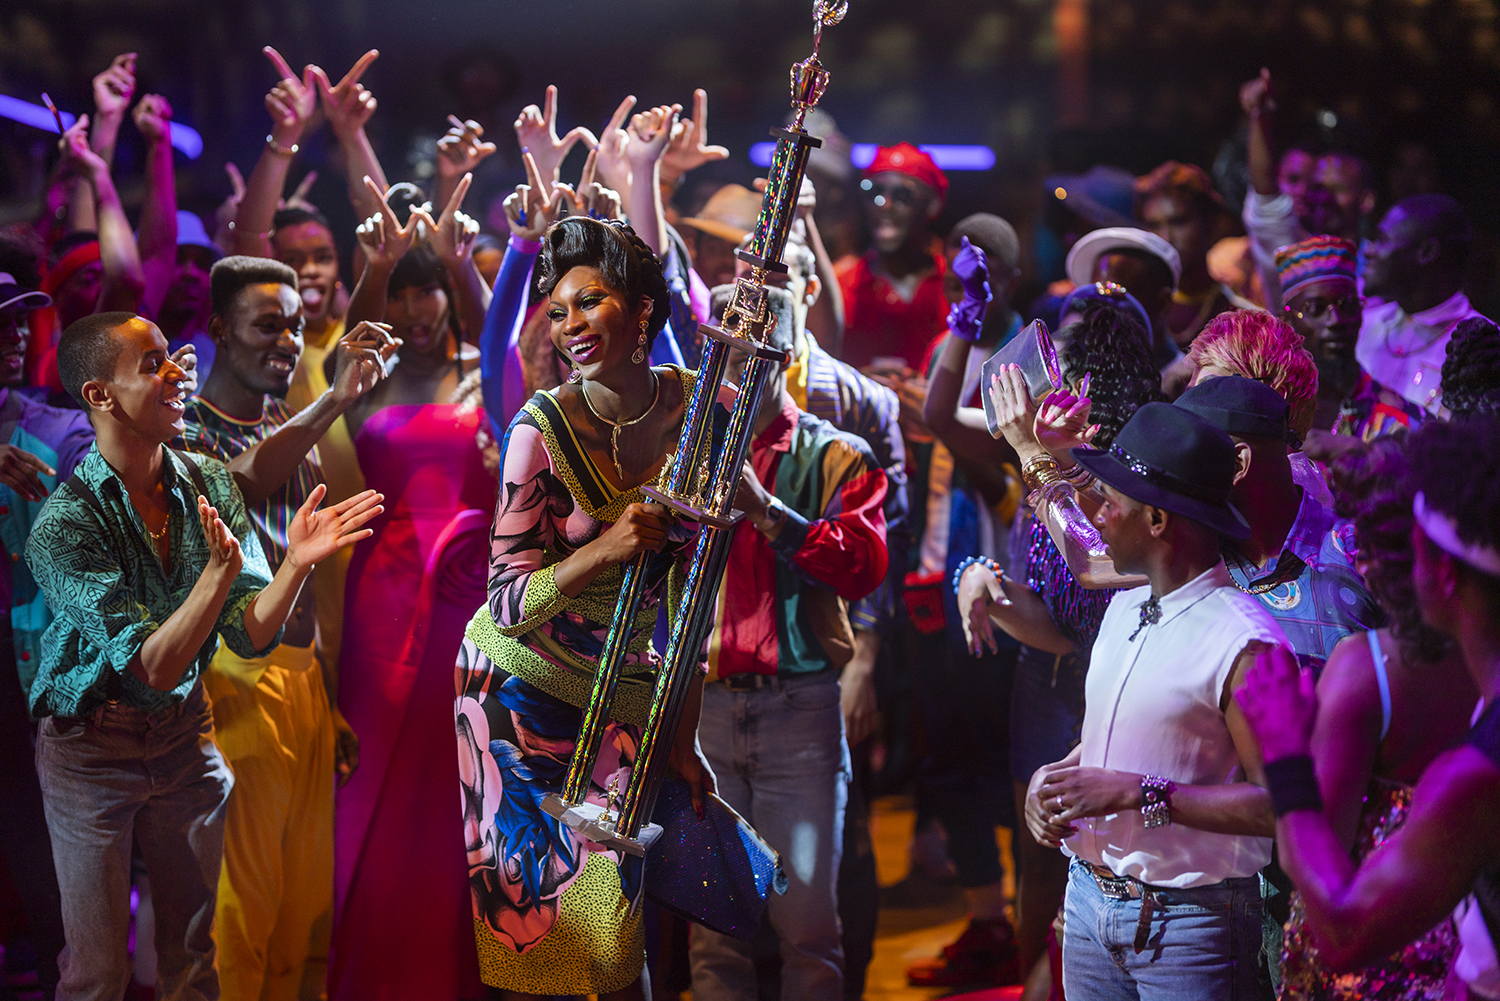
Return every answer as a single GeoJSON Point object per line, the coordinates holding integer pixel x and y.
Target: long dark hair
{"type": "Point", "coordinates": [1111, 344]}
{"type": "Point", "coordinates": [627, 264]}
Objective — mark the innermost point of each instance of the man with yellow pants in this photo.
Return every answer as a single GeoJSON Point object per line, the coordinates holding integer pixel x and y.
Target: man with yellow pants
{"type": "Point", "coordinates": [276, 716]}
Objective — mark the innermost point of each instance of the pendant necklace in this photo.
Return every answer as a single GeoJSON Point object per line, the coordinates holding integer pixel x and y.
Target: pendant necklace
{"type": "Point", "coordinates": [1150, 616]}
{"type": "Point", "coordinates": [616, 428]}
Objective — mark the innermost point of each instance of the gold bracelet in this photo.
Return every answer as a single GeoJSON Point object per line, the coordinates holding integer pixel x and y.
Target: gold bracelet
{"type": "Point", "coordinates": [278, 149]}
{"type": "Point", "coordinates": [1038, 471]}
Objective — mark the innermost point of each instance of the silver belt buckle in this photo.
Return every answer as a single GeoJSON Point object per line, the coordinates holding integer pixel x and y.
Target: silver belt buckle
{"type": "Point", "coordinates": [1116, 887]}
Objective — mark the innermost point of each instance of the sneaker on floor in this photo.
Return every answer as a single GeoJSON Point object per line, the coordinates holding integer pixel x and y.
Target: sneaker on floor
{"type": "Point", "coordinates": [984, 955]}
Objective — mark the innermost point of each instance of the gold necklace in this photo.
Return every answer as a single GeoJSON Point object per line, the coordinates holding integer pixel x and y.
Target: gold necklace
{"type": "Point", "coordinates": [616, 427]}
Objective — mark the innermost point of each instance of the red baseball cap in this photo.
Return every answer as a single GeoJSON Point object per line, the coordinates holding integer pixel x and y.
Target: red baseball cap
{"type": "Point", "coordinates": [904, 158]}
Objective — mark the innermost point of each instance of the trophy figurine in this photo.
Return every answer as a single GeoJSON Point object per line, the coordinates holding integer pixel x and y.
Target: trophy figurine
{"type": "Point", "coordinates": [699, 484]}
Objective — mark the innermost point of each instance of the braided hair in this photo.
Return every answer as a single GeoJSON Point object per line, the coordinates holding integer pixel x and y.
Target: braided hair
{"type": "Point", "coordinates": [1111, 344]}
{"type": "Point", "coordinates": [1373, 488]}
{"type": "Point", "coordinates": [1471, 372]}
{"type": "Point", "coordinates": [627, 265]}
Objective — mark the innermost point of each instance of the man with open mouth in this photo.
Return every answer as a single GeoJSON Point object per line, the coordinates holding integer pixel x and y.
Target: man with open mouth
{"type": "Point", "coordinates": [276, 716]}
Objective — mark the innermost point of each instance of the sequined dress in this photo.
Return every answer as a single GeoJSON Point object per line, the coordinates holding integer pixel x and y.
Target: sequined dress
{"type": "Point", "coordinates": [1416, 973]}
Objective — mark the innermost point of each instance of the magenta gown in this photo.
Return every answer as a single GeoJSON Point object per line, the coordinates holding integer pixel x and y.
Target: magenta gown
{"type": "Point", "coordinates": [402, 921]}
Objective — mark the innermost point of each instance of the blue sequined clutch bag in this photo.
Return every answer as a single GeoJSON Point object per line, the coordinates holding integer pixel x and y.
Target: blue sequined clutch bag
{"type": "Point", "coordinates": [716, 871]}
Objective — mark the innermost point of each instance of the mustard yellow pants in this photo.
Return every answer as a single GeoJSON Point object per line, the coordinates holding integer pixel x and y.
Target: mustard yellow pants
{"type": "Point", "coordinates": [275, 908]}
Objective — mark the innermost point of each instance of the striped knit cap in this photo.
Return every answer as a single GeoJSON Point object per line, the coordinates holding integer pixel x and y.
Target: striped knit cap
{"type": "Point", "coordinates": [1315, 258]}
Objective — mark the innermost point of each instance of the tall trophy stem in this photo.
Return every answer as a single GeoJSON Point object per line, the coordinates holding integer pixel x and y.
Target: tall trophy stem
{"type": "Point", "coordinates": [699, 484]}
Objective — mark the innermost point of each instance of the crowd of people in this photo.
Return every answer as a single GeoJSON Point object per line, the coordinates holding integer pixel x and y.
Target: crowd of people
{"type": "Point", "coordinates": [1209, 616]}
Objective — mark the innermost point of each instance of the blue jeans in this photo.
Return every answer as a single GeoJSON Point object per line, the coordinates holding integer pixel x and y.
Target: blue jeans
{"type": "Point", "coordinates": [1203, 943]}
{"type": "Point", "coordinates": [158, 779]}
{"type": "Point", "coordinates": [779, 758]}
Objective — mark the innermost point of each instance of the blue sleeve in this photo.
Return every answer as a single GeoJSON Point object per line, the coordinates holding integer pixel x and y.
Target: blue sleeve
{"type": "Point", "coordinates": [502, 381]}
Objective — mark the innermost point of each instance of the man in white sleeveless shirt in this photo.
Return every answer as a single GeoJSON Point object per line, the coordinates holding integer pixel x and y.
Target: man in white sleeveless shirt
{"type": "Point", "coordinates": [1162, 805]}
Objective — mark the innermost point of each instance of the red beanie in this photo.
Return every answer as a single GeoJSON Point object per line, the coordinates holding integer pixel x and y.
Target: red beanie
{"type": "Point", "coordinates": [904, 158]}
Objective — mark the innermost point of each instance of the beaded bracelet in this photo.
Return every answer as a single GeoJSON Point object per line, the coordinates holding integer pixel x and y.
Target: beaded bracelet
{"type": "Point", "coordinates": [969, 561]}
{"type": "Point", "coordinates": [279, 149]}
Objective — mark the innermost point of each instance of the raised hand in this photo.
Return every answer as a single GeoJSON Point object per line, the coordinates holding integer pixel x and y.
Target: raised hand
{"type": "Point", "coordinates": [1014, 411]}
{"type": "Point", "coordinates": [360, 358]}
{"type": "Point", "coordinates": [591, 198]}
{"type": "Point", "coordinates": [292, 101]}
{"type": "Point", "coordinates": [347, 105]}
{"type": "Point", "coordinates": [688, 148]}
{"type": "Point", "coordinates": [533, 206]}
{"type": "Point", "coordinates": [462, 148]}
{"type": "Point", "coordinates": [1062, 421]}
{"type": "Point", "coordinates": [298, 198]}
{"type": "Point", "coordinates": [452, 233]}
{"type": "Point", "coordinates": [536, 130]}
{"type": "Point", "coordinates": [19, 469]}
{"type": "Point", "coordinates": [77, 153]}
{"type": "Point", "coordinates": [613, 167]}
{"type": "Point", "coordinates": [382, 237]}
{"type": "Point", "coordinates": [114, 87]}
{"type": "Point", "coordinates": [186, 358]}
{"type": "Point", "coordinates": [648, 135]}
{"type": "Point", "coordinates": [1258, 97]}
{"type": "Point", "coordinates": [315, 535]}
{"type": "Point", "coordinates": [224, 556]}
{"type": "Point", "coordinates": [153, 117]}
{"type": "Point", "coordinates": [966, 317]}
{"type": "Point", "coordinates": [225, 214]}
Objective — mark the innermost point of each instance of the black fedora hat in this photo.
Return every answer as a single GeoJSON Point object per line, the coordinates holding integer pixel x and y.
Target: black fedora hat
{"type": "Point", "coordinates": [1173, 459]}
{"type": "Point", "coordinates": [1241, 406]}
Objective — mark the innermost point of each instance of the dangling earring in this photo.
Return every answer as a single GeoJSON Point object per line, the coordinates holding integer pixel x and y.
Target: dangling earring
{"type": "Point", "coordinates": [575, 376]}
{"type": "Point", "coordinates": [640, 351]}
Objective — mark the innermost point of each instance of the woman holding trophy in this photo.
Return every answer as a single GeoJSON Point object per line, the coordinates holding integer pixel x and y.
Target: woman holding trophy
{"type": "Point", "coordinates": [554, 912]}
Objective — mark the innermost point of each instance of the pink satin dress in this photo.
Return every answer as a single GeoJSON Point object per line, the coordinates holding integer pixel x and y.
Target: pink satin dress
{"type": "Point", "coordinates": [402, 921]}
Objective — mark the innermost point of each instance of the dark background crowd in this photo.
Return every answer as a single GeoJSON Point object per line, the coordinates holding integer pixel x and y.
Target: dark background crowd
{"type": "Point", "coordinates": [1052, 88]}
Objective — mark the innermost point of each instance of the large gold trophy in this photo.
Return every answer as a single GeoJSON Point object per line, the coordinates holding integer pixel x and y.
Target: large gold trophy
{"type": "Point", "coordinates": [698, 483]}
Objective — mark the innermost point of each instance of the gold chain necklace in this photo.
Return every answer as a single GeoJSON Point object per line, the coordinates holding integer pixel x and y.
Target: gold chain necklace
{"type": "Point", "coordinates": [616, 427]}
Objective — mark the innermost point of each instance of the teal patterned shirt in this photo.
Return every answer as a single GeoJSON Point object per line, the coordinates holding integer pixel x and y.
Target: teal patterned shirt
{"type": "Point", "coordinates": [108, 591]}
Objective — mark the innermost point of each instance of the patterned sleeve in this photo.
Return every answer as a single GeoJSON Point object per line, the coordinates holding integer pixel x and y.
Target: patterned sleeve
{"type": "Point", "coordinates": [86, 588]}
{"type": "Point", "coordinates": [845, 548]}
{"type": "Point", "coordinates": [255, 571]}
{"type": "Point", "coordinates": [522, 592]}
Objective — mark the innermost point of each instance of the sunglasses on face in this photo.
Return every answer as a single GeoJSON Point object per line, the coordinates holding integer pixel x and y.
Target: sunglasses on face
{"type": "Point", "coordinates": [880, 194]}
{"type": "Point", "coordinates": [1317, 307]}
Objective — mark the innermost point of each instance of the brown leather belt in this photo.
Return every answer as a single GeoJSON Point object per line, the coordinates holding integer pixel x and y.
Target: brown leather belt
{"type": "Point", "coordinates": [1116, 887]}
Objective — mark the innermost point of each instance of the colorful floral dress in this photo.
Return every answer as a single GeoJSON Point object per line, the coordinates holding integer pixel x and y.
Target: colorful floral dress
{"type": "Point", "coordinates": [1416, 973]}
{"type": "Point", "coordinates": [553, 913]}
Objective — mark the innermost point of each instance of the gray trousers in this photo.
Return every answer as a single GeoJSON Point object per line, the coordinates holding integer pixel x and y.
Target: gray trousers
{"type": "Point", "coordinates": [123, 775]}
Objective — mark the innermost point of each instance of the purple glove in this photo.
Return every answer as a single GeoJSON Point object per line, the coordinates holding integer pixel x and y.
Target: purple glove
{"type": "Point", "coordinates": [967, 317]}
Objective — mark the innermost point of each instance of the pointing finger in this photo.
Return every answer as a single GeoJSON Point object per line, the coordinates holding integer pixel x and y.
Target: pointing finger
{"type": "Point", "coordinates": [358, 69]}
{"type": "Point", "coordinates": [281, 64]}
{"type": "Point", "coordinates": [618, 118]}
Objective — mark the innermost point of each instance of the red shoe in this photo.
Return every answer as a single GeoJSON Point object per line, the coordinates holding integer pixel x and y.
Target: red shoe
{"type": "Point", "coordinates": [984, 955]}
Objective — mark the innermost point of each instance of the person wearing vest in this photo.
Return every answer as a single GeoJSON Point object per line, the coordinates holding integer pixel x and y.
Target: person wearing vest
{"type": "Point", "coordinates": [1447, 853]}
{"type": "Point", "coordinates": [1162, 806]}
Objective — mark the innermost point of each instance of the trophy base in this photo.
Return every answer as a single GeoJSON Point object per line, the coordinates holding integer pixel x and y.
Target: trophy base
{"type": "Point", "coordinates": [744, 344]}
{"type": "Point", "coordinates": [692, 508]}
{"type": "Point", "coordinates": [597, 824]}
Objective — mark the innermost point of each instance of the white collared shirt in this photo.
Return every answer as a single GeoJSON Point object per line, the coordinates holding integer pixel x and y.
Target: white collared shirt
{"type": "Point", "coordinates": [1153, 707]}
{"type": "Point", "coordinates": [1405, 353]}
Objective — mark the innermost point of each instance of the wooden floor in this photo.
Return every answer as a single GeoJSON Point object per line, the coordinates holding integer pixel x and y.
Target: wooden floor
{"type": "Point", "coordinates": [917, 918]}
